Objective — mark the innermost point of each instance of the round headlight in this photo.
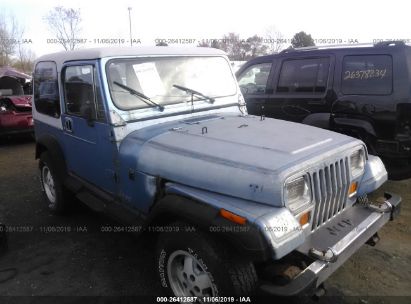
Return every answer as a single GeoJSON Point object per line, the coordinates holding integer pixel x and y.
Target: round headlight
{"type": "Point", "coordinates": [357, 163]}
{"type": "Point", "coordinates": [297, 194]}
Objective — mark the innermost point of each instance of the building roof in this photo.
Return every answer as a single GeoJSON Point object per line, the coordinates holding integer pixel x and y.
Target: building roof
{"type": "Point", "coordinates": [96, 53]}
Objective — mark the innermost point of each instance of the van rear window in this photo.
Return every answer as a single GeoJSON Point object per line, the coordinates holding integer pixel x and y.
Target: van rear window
{"type": "Point", "coordinates": [367, 75]}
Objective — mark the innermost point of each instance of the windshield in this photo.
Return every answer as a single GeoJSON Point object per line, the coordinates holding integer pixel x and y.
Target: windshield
{"type": "Point", "coordinates": [156, 78]}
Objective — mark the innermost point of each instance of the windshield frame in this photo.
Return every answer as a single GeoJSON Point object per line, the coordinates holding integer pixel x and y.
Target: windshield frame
{"type": "Point", "coordinates": [172, 105]}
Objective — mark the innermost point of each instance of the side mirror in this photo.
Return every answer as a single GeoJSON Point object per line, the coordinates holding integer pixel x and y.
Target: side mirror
{"type": "Point", "coordinates": [87, 112]}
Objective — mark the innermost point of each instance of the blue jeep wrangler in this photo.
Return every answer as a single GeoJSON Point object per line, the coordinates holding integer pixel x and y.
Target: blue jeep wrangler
{"type": "Point", "coordinates": [159, 138]}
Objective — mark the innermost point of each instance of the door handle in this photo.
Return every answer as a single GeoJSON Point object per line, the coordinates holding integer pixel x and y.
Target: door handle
{"type": "Point", "coordinates": [68, 125]}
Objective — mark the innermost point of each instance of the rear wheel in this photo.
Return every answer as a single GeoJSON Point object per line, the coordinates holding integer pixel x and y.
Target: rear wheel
{"type": "Point", "coordinates": [52, 185]}
{"type": "Point", "coordinates": [194, 264]}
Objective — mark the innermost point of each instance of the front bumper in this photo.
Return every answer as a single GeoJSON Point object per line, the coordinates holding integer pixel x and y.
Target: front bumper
{"type": "Point", "coordinates": [334, 243]}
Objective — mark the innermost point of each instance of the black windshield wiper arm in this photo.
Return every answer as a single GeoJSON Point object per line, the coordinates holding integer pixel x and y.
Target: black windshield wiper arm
{"type": "Point", "coordinates": [193, 92]}
{"type": "Point", "coordinates": [147, 100]}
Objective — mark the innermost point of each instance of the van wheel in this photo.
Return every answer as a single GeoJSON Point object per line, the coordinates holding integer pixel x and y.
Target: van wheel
{"type": "Point", "coordinates": [194, 264]}
{"type": "Point", "coordinates": [51, 184]}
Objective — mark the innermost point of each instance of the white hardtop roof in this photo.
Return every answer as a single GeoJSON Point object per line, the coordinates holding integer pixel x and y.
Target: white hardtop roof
{"type": "Point", "coordinates": [96, 53]}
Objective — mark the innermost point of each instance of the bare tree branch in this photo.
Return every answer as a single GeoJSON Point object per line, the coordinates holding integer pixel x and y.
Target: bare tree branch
{"type": "Point", "coordinates": [8, 38]}
{"type": "Point", "coordinates": [64, 23]}
{"type": "Point", "coordinates": [275, 39]}
{"type": "Point", "coordinates": [26, 58]}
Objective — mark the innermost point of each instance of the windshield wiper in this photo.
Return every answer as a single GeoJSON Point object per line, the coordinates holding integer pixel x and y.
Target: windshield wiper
{"type": "Point", "coordinates": [147, 100]}
{"type": "Point", "coordinates": [193, 92]}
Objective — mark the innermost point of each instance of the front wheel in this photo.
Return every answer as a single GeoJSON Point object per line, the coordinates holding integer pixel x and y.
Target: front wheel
{"type": "Point", "coordinates": [194, 264]}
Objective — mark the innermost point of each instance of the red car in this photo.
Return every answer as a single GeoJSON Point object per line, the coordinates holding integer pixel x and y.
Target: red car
{"type": "Point", "coordinates": [15, 103]}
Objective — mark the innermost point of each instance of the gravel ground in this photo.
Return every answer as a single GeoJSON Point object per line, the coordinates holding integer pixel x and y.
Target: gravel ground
{"type": "Point", "coordinates": [88, 262]}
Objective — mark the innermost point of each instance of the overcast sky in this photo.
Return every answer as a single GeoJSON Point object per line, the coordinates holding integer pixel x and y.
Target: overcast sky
{"type": "Point", "coordinates": [192, 19]}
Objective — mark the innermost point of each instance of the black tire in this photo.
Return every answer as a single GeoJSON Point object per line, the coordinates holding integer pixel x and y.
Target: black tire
{"type": "Point", "coordinates": [60, 204]}
{"type": "Point", "coordinates": [230, 275]}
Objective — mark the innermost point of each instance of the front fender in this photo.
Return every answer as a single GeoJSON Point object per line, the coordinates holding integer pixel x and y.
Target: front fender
{"type": "Point", "coordinates": [271, 232]}
{"type": "Point", "coordinates": [374, 176]}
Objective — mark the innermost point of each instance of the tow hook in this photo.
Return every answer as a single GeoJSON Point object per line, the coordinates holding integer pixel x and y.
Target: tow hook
{"type": "Point", "coordinates": [326, 255]}
{"type": "Point", "coordinates": [389, 203]}
{"type": "Point", "coordinates": [373, 240]}
{"type": "Point", "coordinates": [381, 207]}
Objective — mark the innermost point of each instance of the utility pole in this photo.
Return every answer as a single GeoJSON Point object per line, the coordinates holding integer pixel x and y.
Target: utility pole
{"type": "Point", "coordinates": [129, 20]}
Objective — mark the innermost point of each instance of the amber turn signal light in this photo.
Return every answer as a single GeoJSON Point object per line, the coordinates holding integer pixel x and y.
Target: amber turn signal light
{"type": "Point", "coordinates": [353, 189]}
{"type": "Point", "coordinates": [305, 218]}
{"type": "Point", "coordinates": [232, 217]}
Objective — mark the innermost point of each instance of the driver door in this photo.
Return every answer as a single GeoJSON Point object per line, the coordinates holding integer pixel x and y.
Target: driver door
{"type": "Point", "coordinates": [89, 150]}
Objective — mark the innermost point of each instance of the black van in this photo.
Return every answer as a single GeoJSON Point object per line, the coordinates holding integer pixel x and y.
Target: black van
{"type": "Point", "coordinates": [359, 90]}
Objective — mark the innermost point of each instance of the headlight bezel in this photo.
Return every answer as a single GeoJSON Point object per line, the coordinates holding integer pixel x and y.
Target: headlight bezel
{"type": "Point", "coordinates": [359, 169]}
{"type": "Point", "coordinates": [298, 205]}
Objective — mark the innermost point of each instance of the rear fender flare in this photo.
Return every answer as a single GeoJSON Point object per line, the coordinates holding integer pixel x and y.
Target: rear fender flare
{"type": "Point", "coordinates": [52, 146]}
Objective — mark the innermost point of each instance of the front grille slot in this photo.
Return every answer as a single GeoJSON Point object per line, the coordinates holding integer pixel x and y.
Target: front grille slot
{"type": "Point", "coordinates": [330, 189]}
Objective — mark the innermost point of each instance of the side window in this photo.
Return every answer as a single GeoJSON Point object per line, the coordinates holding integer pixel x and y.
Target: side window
{"type": "Point", "coordinates": [367, 75]}
{"type": "Point", "coordinates": [46, 90]}
{"type": "Point", "coordinates": [79, 90]}
{"type": "Point", "coordinates": [304, 76]}
{"type": "Point", "coordinates": [254, 79]}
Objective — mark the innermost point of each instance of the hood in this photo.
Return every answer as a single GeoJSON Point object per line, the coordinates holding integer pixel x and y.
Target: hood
{"type": "Point", "coordinates": [20, 101]}
{"type": "Point", "coordinates": [238, 156]}
{"type": "Point", "coordinates": [11, 72]}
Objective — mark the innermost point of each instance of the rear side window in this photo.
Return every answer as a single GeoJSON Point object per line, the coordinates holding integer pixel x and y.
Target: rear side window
{"type": "Point", "coordinates": [304, 76]}
{"type": "Point", "coordinates": [254, 79]}
{"type": "Point", "coordinates": [367, 75]}
{"type": "Point", "coordinates": [46, 91]}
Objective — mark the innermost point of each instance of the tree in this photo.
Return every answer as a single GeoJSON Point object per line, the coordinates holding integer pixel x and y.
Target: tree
{"type": "Point", "coordinates": [231, 44]}
{"type": "Point", "coordinates": [13, 52]}
{"type": "Point", "coordinates": [254, 47]}
{"type": "Point", "coordinates": [237, 48]}
{"type": "Point", "coordinates": [211, 44]}
{"type": "Point", "coordinates": [275, 39]}
{"type": "Point", "coordinates": [25, 59]}
{"type": "Point", "coordinates": [302, 39]}
{"type": "Point", "coordinates": [8, 38]}
{"type": "Point", "coordinates": [64, 23]}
